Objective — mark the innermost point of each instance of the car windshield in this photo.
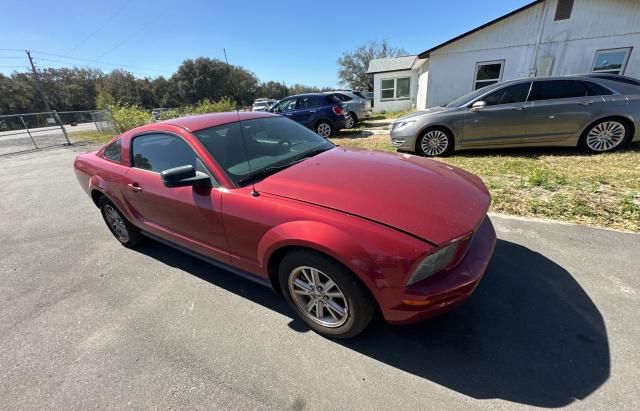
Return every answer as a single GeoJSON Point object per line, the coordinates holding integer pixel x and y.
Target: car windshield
{"type": "Point", "coordinates": [469, 97]}
{"type": "Point", "coordinates": [251, 150]}
{"type": "Point", "coordinates": [260, 104]}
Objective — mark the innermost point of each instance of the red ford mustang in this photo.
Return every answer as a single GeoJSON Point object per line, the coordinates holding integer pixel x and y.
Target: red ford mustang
{"type": "Point", "coordinates": [340, 233]}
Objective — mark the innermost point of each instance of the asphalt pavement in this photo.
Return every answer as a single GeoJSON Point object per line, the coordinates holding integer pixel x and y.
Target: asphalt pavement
{"type": "Point", "coordinates": [87, 323]}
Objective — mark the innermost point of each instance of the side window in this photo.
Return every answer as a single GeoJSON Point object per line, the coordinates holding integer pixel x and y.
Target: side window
{"type": "Point", "coordinates": [343, 97]}
{"type": "Point", "coordinates": [555, 89]}
{"type": "Point", "coordinates": [307, 102]}
{"type": "Point", "coordinates": [330, 100]}
{"type": "Point", "coordinates": [113, 151]}
{"type": "Point", "coordinates": [285, 105]}
{"type": "Point", "coordinates": [159, 152]}
{"type": "Point", "coordinates": [594, 89]}
{"type": "Point", "coordinates": [516, 93]}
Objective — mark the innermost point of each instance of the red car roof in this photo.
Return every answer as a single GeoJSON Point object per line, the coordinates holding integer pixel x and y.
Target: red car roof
{"type": "Point", "coordinates": [201, 121]}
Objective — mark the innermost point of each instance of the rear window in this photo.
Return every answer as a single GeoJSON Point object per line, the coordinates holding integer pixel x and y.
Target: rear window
{"type": "Point", "coordinates": [359, 94]}
{"type": "Point", "coordinates": [331, 99]}
{"type": "Point", "coordinates": [556, 89]}
{"type": "Point", "coordinates": [619, 79]}
{"type": "Point", "coordinates": [113, 151]}
{"type": "Point", "coordinates": [594, 89]}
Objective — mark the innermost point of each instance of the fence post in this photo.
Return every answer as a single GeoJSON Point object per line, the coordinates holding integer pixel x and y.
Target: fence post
{"type": "Point", "coordinates": [57, 117]}
{"type": "Point", "coordinates": [28, 132]}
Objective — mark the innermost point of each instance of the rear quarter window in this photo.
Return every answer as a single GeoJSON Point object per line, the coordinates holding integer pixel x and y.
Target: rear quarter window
{"type": "Point", "coordinates": [331, 100]}
{"type": "Point", "coordinates": [113, 151]}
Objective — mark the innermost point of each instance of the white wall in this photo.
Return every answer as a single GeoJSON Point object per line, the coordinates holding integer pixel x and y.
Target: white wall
{"type": "Point", "coordinates": [394, 105]}
{"type": "Point", "coordinates": [572, 44]}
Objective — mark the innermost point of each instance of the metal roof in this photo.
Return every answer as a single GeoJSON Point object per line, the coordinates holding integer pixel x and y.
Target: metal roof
{"type": "Point", "coordinates": [391, 64]}
{"type": "Point", "coordinates": [426, 53]}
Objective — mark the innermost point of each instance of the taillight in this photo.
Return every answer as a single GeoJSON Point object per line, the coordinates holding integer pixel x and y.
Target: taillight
{"type": "Point", "coordinates": [337, 110]}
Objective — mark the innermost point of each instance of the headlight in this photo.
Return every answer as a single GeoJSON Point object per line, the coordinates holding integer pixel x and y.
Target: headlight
{"type": "Point", "coordinates": [434, 263]}
{"type": "Point", "coordinates": [401, 124]}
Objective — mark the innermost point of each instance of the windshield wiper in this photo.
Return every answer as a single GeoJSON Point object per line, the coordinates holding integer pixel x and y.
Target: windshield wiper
{"type": "Point", "coordinates": [265, 172]}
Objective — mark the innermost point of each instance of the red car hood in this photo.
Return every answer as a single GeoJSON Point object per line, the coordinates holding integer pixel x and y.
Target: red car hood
{"type": "Point", "coordinates": [425, 198]}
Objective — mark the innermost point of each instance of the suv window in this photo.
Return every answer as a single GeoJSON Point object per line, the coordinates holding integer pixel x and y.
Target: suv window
{"type": "Point", "coordinates": [307, 102]}
{"type": "Point", "coordinates": [285, 105]}
{"type": "Point", "coordinates": [618, 79]}
{"type": "Point", "coordinates": [554, 89]}
{"type": "Point", "coordinates": [516, 93]}
{"type": "Point", "coordinates": [159, 152]}
{"type": "Point", "coordinates": [594, 89]}
{"type": "Point", "coordinates": [330, 100]}
{"type": "Point", "coordinates": [343, 97]}
{"type": "Point", "coordinates": [113, 151]}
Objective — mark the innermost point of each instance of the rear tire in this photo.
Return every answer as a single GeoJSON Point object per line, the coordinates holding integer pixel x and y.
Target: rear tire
{"type": "Point", "coordinates": [324, 129]}
{"type": "Point", "coordinates": [435, 142]}
{"type": "Point", "coordinates": [340, 305]}
{"type": "Point", "coordinates": [605, 135]}
{"type": "Point", "coordinates": [126, 233]}
{"type": "Point", "coordinates": [351, 120]}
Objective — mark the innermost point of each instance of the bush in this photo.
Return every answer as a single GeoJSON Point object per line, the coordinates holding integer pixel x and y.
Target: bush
{"type": "Point", "coordinates": [208, 106]}
{"type": "Point", "coordinates": [128, 117]}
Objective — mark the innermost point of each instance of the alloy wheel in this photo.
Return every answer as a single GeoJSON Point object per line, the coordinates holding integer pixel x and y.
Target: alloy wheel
{"type": "Point", "coordinates": [324, 130]}
{"type": "Point", "coordinates": [115, 221]}
{"type": "Point", "coordinates": [434, 143]}
{"type": "Point", "coordinates": [318, 296]}
{"type": "Point", "coordinates": [606, 136]}
{"type": "Point", "coordinates": [350, 122]}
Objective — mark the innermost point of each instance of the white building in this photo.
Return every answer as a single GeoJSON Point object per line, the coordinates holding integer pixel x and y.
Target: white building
{"type": "Point", "coordinates": [545, 37]}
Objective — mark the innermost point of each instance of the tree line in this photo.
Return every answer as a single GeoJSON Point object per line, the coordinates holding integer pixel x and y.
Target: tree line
{"type": "Point", "coordinates": [69, 89]}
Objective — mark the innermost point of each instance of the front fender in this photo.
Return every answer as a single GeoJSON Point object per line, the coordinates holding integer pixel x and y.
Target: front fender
{"type": "Point", "coordinates": [326, 239]}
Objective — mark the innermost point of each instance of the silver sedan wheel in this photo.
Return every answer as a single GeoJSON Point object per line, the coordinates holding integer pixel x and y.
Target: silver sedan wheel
{"type": "Point", "coordinates": [116, 223]}
{"type": "Point", "coordinates": [318, 296]}
{"type": "Point", "coordinates": [324, 130]}
{"type": "Point", "coordinates": [606, 136]}
{"type": "Point", "coordinates": [434, 143]}
{"type": "Point", "coordinates": [350, 122]}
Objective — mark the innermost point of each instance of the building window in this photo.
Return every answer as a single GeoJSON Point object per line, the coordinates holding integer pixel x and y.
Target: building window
{"type": "Point", "coordinates": [487, 73]}
{"type": "Point", "coordinates": [563, 9]}
{"type": "Point", "coordinates": [612, 61]}
{"type": "Point", "coordinates": [395, 88]}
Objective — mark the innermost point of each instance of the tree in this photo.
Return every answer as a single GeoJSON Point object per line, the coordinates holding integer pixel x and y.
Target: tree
{"type": "Point", "coordinates": [354, 64]}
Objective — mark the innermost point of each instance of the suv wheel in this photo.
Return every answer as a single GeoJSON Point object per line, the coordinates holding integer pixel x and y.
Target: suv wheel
{"type": "Point", "coordinates": [324, 129]}
{"type": "Point", "coordinates": [325, 294]}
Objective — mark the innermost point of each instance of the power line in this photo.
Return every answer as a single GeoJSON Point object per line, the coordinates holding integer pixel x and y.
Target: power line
{"type": "Point", "coordinates": [90, 67]}
{"type": "Point", "coordinates": [140, 30]}
{"type": "Point", "coordinates": [99, 28]}
{"type": "Point", "coordinates": [99, 62]}
{"type": "Point", "coordinates": [11, 57]}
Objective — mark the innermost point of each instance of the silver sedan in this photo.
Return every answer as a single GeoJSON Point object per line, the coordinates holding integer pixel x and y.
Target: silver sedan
{"type": "Point", "coordinates": [594, 114]}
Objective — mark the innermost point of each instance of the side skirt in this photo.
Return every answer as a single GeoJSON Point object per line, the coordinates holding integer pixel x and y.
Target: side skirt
{"type": "Point", "coordinates": [244, 274]}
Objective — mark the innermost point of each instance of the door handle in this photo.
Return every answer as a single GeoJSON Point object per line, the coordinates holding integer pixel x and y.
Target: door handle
{"type": "Point", "coordinates": [312, 111]}
{"type": "Point", "coordinates": [518, 108]}
{"type": "Point", "coordinates": [135, 187]}
{"type": "Point", "coordinates": [586, 103]}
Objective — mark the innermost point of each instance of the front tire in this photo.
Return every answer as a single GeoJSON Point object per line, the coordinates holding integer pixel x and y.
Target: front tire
{"type": "Point", "coordinates": [325, 294]}
{"type": "Point", "coordinates": [324, 129]}
{"type": "Point", "coordinates": [126, 233]}
{"type": "Point", "coordinates": [435, 142]}
{"type": "Point", "coordinates": [605, 135]}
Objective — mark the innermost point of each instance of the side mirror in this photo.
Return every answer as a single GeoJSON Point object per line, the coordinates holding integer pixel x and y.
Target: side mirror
{"type": "Point", "coordinates": [478, 105]}
{"type": "Point", "coordinates": [184, 176]}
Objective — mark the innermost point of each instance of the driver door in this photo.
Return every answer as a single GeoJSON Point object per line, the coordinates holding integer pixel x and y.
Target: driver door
{"type": "Point", "coordinates": [502, 121]}
{"type": "Point", "coordinates": [189, 216]}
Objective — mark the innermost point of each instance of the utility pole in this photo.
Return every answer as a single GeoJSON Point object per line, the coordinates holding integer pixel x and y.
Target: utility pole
{"type": "Point", "coordinates": [38, 82]}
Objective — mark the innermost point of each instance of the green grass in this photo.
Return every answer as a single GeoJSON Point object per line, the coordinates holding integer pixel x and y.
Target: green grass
{"type": "Point", "coordinates": [560, 184]}
{"type": "Point", "coordinates": [99, 137]}
{"type": "Point", "coordinates": [386, 115]}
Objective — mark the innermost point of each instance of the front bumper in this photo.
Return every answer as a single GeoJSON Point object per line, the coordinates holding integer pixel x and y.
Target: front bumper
{"type": "Point", "coordinates": [403, 140]}
{"type": "Point", "coordinates": [442, 292]}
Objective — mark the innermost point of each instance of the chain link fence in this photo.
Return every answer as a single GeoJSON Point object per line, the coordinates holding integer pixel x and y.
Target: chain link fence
{"type": "Point", "coordinates": [32, 131]}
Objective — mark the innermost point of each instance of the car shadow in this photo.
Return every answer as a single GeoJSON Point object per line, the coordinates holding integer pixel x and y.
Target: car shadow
{"type": "Point", "coordinates": [529, 334]}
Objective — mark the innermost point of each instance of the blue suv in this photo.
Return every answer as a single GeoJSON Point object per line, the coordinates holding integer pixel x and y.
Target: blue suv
{"type": "Point", "coordinates": [322, 113]}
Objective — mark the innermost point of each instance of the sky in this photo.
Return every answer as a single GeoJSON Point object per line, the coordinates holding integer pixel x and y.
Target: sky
{"type": "Point", "coordinates": [285, 41]}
